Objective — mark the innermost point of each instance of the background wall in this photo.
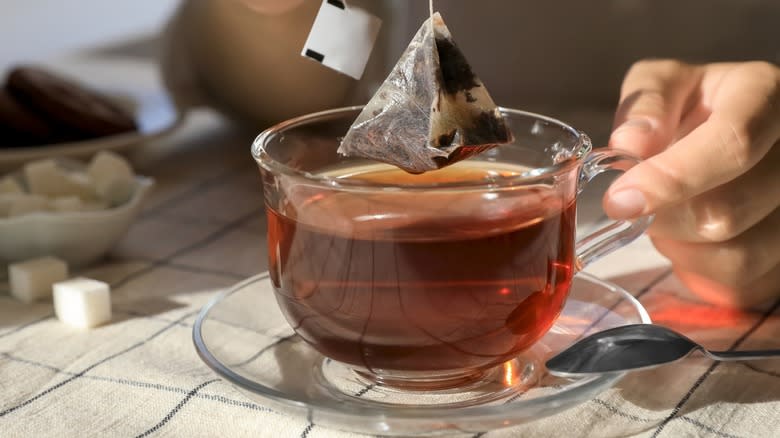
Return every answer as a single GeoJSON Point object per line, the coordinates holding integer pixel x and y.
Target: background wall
{"type": "Point", "coordinates": [39, 29]}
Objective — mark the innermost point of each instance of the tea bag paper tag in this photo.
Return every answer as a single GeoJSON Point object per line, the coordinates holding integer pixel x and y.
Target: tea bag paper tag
{"type": "Point", "coordinates": [342, 37]}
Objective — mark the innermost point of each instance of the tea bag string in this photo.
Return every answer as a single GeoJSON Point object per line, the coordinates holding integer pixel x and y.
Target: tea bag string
{"type": "Point", "coordinates": [430, 8]}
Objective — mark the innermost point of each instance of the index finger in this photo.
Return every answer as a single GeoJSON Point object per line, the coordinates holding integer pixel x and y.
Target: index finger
{"type": "Point", "coordinates": [652, 100]}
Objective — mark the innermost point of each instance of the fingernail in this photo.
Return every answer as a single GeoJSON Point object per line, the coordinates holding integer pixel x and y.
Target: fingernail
{"type": "Point", "coordinates": [639, 125]}
{"type": "Point", "coordinates": [625, 204]}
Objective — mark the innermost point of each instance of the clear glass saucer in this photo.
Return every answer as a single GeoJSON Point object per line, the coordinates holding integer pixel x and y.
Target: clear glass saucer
{"type": "Point", "coordinates": [243, 337]}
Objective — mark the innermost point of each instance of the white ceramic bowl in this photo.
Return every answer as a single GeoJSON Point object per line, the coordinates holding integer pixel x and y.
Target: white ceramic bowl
{"type": "Point", "coordinates": [79, 238]}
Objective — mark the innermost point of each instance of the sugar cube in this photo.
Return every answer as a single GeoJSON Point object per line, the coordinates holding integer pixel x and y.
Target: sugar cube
{"type": "Point", "coordinates": [118, 191]}
{"type": "Point", "coordinates": [93, 206]}
{"type": "Point", "coordinates": [82, 302]}
{"type": "Point", "coordinates": [6, 199]}
{"type": "Point", "coordinates": [27, 204]}
{"type": "Point", "coordinates": [66, 204]}
{"type": "Point", "coordinates": [112, 177]}
{"type": "Point", "coordinates": [79, 184]}
{"type": "Point", "coordinates": [10, 185]}
{"type": "Point", "coordinates": [32, 280]}
{"type": "Point", "coordinates": [44, 177]}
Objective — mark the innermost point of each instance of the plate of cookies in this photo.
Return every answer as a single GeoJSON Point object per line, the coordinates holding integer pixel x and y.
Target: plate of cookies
{"type": "Point", "coordinates": [49, 112]}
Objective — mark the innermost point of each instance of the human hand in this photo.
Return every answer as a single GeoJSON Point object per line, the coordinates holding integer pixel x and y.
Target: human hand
{"type": "Point", "coordinates": [710, 135]}
{"type": "Point", "coordinates": [272, 7]}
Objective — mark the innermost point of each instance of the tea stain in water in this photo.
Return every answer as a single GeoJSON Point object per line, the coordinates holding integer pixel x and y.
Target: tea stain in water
{"type": "Point", "coordinates": [416, 281]}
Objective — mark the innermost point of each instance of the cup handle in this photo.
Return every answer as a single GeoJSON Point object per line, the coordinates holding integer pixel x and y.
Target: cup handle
{"type": "Point", "coordinates": [619, 233]}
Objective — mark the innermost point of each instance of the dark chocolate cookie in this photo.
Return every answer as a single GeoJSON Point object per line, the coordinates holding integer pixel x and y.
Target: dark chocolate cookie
{"type": "Point", "coordinates": [68, 104]}
{"type": "Point", "coordinates": [21, 127]}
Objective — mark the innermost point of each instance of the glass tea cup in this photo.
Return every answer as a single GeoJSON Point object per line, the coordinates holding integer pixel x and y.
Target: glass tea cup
{"type": "Point", "coordinates": [428, 281]}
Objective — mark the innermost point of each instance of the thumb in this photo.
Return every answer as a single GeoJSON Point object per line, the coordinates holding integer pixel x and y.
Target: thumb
{"type": "Point", "coordinates": [652, 101]}
{"type": "Point", "coordinates": [653, 98]}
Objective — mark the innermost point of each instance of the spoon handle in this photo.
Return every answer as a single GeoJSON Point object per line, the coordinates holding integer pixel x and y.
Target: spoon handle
{"type": "Point", "coordinates": [743, 355]}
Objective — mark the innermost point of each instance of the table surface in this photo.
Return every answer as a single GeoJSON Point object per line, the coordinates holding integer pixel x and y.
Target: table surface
{"type": "Point", "coordinates": [203, 229]}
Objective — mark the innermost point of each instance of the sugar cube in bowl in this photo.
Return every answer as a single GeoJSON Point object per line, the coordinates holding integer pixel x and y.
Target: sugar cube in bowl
{"type": "Point", "coordinates": [9, 185]}
{"type": "Point", "coordinates": [112, 177]}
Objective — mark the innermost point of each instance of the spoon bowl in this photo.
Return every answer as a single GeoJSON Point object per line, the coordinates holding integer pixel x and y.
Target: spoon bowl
{"type": "Point", "coordinates": [635, 347]}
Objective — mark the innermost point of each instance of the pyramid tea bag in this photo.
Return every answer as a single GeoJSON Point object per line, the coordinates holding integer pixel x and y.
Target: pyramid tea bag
{"type": "Point", "coordinates": [430, 112]}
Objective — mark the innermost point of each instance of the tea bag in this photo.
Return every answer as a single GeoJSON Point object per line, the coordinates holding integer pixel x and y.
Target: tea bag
{"type": "Point", "coordinates": [430, 112]}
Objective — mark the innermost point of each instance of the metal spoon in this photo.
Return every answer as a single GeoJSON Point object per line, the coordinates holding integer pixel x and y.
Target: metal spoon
{"type": "Point", "coordinates": [634, 347]}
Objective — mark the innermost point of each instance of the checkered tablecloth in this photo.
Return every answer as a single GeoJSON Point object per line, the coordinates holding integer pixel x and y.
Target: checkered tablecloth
{"type": "Point", "coordinates": [203, 230]}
